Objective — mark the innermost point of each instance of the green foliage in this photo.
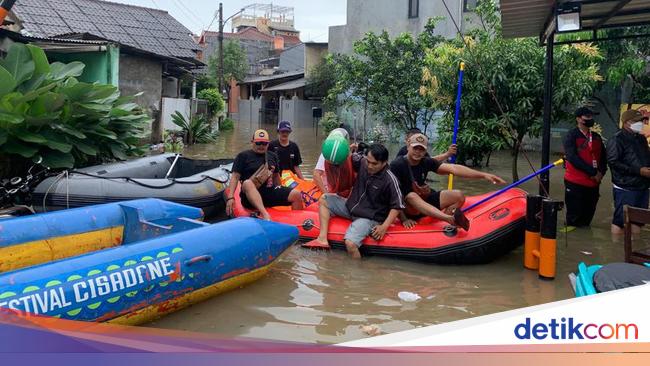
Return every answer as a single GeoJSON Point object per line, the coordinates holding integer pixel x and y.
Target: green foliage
{"type": "Point", "coordinates": [46, 112]}
{"type": "Point", "coordinates": [173, 141]}
{"type": "Point", "coordinates": [214, 98]}
{"type": "Point", "coordinates": [235, 63]}
{"type": "Point", "coordinates": [329, 122]}
{"type": "Point", "coordinates": [322, 79]}
{"type": "Point", "coordinates": [227, 124]}
{"type": "Point", "coordinates": [502, 100]}
{"type": "Point", "coordinates": [196, 131]}
{"type": "Point", "coordinates": [385, 74]}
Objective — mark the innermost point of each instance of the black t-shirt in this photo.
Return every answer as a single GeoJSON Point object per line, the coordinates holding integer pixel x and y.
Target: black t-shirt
{"type": "Point", "coordinates": [247, 162]}
{"type": "Point", "coordinates": [289, 155]}
{"type": "Point", "coordinates": [400, 167]}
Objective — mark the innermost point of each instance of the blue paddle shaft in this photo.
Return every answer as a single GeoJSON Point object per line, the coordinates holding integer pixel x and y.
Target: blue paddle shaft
{"type": "Point", "coordinates": [512, 185]}
{"type": "Point", "coordinates": [459, 93]}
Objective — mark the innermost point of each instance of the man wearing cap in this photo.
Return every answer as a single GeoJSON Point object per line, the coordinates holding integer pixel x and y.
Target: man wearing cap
{"type": "Point", "coordinates": [628, 156]}
{"type": "Point", "coordinates": [247, 170]}
{"type": "Point", "coordinates": [287, 151]}
{"type": "Point", "coordinates": [441, 158]}
{"type": "Point", "coordinates": [586, 164]}
{"type": "Point", "coordinates": [412, 170]}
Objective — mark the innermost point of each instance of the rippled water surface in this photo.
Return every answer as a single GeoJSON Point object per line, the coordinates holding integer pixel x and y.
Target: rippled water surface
{"type": "Point", "coordinates": [324, 297]}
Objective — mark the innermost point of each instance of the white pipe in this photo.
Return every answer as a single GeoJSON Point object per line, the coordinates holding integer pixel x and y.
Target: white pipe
{"type": "Point", "coordinates": [172, 167]}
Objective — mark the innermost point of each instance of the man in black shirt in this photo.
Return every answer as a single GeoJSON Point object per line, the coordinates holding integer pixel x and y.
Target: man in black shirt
{"type": "Point", "coordinates": [412, 169]}
{"type": "Point", "coordinates": [269, 193]}
{"type": "Point", "coordinates": [373, 205]}
{"type": "Point", "coordinates": [441, 158]}
{"type": "Point", "coordinates": [286, 150]}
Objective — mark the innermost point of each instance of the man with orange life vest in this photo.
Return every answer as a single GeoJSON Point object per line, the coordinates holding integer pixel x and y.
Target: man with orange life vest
{"type": "Point", "coordinates": [586, 164]}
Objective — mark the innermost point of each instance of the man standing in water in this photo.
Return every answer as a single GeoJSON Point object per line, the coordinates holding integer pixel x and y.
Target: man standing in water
{"type": "Point", "coordinates": [287, 151]}
{"type": "Point", "coordinates": [628, 156]}
{"type": "Point", "coordinates": [586, 164]}
{"type": "Point", "coordinates": [373, 205]}
{"type": "Point", "coordinates": [257, 170]}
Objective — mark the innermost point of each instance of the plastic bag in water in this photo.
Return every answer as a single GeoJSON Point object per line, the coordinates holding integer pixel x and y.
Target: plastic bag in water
{"type": "Point", "coordinates": [408, 296]}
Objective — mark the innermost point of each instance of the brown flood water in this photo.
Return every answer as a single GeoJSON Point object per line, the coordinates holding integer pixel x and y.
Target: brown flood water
{"type": "Point", "coordinates": [324, 297]}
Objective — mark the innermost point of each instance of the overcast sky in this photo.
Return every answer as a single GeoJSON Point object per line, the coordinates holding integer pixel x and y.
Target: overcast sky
{"type": "Point", "coordinates": [312, 17]}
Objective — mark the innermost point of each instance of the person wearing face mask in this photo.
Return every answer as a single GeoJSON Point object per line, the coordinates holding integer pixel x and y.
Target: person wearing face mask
{"type": "Point", "coordinates": [586, 164]}
{"type": "Point", "coordinates": [628, 156]}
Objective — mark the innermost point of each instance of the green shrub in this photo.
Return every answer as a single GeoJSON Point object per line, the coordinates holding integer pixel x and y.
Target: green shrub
{"type": "Point", "coordinates": [227, 124]}
{"type": "Point", "coordinates": [214, 98]}
{"type": "Point", "coordinates": [329, 122]}
{"type": "Point", "coordinates": [197, 130]}
{"type": "Point", "coordinates": [46, 112]}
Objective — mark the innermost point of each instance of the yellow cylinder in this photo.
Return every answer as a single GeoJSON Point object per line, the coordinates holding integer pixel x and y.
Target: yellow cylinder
{"type": "Point", "coordinates": [531, 245]}
{"type": "Point", "coordinates": [547, 258]}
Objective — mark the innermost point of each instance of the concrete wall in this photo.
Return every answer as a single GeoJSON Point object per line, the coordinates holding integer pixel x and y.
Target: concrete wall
{"type": "Point", "coordinates": [314, 54]}
{"type": "Point", "coordinates": [293, 59]}
{"type": "Point", "coordinates": [139, 74]}
{"type": "Point", "coordinates": [297, 111]}
{"type": "Point", "coordinates": [249, 110]}
{"type": "Point", "coordinates": [391, 15]}
{"type": "Point", "coordinates": [169, 107]}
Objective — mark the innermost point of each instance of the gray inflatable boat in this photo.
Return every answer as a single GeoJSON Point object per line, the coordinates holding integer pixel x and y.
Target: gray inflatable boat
{"type": "Point", "coordinates": [198, 183]}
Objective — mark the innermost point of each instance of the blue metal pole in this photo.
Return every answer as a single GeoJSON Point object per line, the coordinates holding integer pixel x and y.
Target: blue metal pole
{"type": "Point", "coordinates": [459, 93]}
{"type": "Point", "coordinates": [514, 184]}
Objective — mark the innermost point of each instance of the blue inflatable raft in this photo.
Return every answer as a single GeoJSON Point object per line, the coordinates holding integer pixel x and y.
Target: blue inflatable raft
{"type": "Point", "coordinates": [129, 262]}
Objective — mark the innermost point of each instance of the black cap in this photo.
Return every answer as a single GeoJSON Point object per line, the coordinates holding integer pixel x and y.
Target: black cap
{"type": "Point", "coordinates": [583, 111]}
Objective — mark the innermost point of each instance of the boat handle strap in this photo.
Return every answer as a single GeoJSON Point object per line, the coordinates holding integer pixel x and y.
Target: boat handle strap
{"type": "Point", "coordinates": [201, 258]}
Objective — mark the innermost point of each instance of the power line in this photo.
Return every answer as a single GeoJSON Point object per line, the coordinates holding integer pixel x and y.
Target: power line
{"type": "Point", "coordinates": [191, 13]}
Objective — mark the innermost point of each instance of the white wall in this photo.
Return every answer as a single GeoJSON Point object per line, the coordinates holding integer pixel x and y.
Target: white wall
{"type": "Point", "coordinates": [169, 107]}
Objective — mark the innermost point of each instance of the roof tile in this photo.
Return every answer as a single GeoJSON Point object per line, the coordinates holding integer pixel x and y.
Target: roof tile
{"type": "Point", "coordinates": [149, 29]}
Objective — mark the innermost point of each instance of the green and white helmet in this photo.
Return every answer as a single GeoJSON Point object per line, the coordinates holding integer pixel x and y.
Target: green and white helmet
{"type": "Point", "coordinates": [340, 132]}
{"type": "Point", "coordinates": [336, 149]}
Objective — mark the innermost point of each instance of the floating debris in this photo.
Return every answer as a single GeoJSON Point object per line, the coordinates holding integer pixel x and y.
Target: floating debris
{"type": "Point", "coordinates": [371, 330]}
{"type": "Point", "coordinates": [408, 296]}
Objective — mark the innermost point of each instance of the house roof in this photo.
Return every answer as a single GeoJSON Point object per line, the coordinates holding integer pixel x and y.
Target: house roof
{"type": "Point", "coordinates": [289, 85]}
{"type": "Point", "coordinates": [150, 30]}
{"type": "Point", "coordinates": [261, 79]}
{"type": "Point", "coordinates": [526, 18]}
{"type": "Point", "coordinates": [291, 39]}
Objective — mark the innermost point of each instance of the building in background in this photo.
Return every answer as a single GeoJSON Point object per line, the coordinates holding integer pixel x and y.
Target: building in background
{"type": "Point", "coordinates": [396, 16]}
{"type": "Point", "coordinates": [265, 32]}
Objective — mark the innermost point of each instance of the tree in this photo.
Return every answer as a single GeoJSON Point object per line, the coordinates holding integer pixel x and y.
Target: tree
{"type": "Point", "coordinates": [502, 99]}
{"type": "Point", "coordinates": [235, 64]}
{"type": "Point", "coordinates": [624, 59]}
{"type": "Point", "coordinates": [214, 98]}
{"type": "Point", "coordinates": [385, 75]}
{"type": "Point", "coordinates": [322, 79]}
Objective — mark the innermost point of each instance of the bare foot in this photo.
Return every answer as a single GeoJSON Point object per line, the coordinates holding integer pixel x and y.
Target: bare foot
{"type": "Point", "coordinates": [317, 243]}
{"type": "Point", "coordinates": [352, 249]}
{"type": "Point", "coordinates": [266, 216]}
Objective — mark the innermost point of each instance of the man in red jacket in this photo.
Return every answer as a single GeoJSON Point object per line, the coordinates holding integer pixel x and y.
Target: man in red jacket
{"type": "Point", "coordinates": [586, 164]}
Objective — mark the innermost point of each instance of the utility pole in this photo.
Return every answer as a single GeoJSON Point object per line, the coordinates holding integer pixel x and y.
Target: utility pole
{"type": "Point", "coordinates": [220, 76]}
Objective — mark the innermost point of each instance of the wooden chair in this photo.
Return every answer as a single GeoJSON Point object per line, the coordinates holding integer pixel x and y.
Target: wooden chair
{"type": "Point", "coordinates": [635, 215]}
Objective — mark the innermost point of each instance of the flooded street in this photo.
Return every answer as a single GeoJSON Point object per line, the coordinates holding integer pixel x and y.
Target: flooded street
{"type": "Point", "coordinates": [324, 297]}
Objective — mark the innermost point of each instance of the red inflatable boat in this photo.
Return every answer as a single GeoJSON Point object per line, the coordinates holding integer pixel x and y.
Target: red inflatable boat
{"type": "Point", "coordinates": [497, 226]}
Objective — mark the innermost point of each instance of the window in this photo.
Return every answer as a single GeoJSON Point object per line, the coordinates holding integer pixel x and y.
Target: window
{"type": "Point", "coordinates": [414, 8]}
{"type": "Point", "coordinates": [470, 5]}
